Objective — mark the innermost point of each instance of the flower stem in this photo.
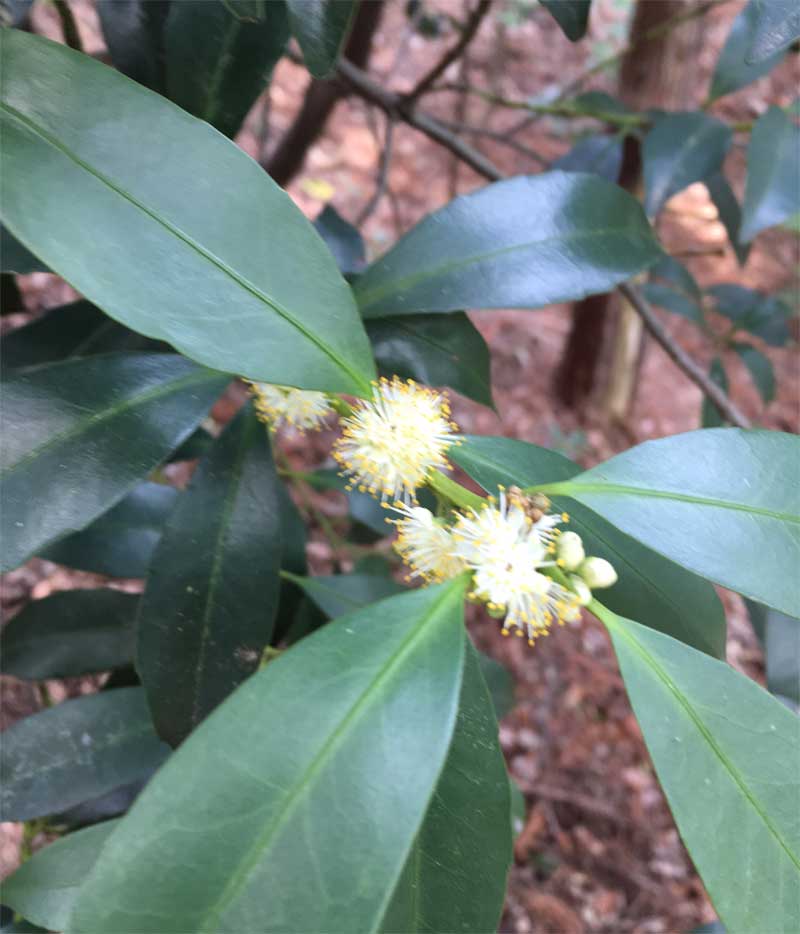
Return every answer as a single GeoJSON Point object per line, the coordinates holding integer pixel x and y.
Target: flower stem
{"type": "Point", "coordinates": [454, 492]}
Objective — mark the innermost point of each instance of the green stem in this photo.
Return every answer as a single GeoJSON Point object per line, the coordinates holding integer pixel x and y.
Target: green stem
{"type": "Point", "coordinates": [453, 492]}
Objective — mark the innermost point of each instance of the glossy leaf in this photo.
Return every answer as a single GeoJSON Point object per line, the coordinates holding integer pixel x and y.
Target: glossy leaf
{"type": "Point", "coordinates": [600, 154]}
{"type": "Point", "coordinates": [717, 502]}
{"type": "Point", "coordinates": [710, 416]}
{"type": "Point", "coordinates": [763, 315]}
{"type": "Point", "coordinates": [499, 682]}
{"type": "Point", "coordinates": [72, 633]}
{"type": "Point", "coordinates": [571, 15]}
{"type": "Point", "coordinates": [663, 595]}
{"type": "Point", "coordinates": [439, 350]}
{"type": "Point", "coordinates": [455, 876]}
{"type": "Point", "coordinates": [337, 594]}
{"type": "Point", "coordinates": [44, 888]}
{"type": "Point", "coordinates": [134, 34]}
{"type": "Point", "coordinates": [760, 369]}
{"type": "Point", "coordinates": [103, 807]}
{"type": "Point", "coordinates": [121, 542]}
{"type": "Point", "coordinates": [14, 257]}
{"type": "Point", "coordinates": [524, 242]}
{"type": "Point", "coordinates": [672, 300]}
{"type": "Point", "coordinates": [733, 71]}
{"type": "Point", "coordinates": [76, 750]}
{"type": "Point", "coordinates": [777, 27]}
{"type": "Point", "coordinates": [220, 56]}
{"type": "Point", "coordinates": [75, 330]}
{"type": "Point", "coordinates": [780, 636]}
{"type": "Point", "coordinates": [81, 433]}
{"type": "Point", "coordinates": [320, 27]}
{"type": "Point", "coordinates": [771, 192]}
{"type": "Point", "coordinates": [680, 149]}
{"type": "Point", "coordinates": [192, 242]}
{"type": "Point", "coordinates": [269, 801]}
{"type": "Point", "coordinates": [209, 604]}
{"type": "Point", "coordinates": [729, 211]}
{"type": "Point", "coordinates": [726, 755]}
{"type": "Point", "coordinates": [342, 239]}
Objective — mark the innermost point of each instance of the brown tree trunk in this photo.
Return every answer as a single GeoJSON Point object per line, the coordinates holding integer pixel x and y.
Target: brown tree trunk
{"type": "Point", "coordinates": [321, 97]}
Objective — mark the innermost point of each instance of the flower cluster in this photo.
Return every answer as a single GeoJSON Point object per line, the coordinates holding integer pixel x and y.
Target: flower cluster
{"type": "Point", "coordinates": [282, 405]}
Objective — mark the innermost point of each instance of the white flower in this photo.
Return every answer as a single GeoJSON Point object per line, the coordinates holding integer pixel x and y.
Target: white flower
{"type": "Point", "coordinates": [425, 543]}
{"type": "Point", "coordinates": [391, 442]}
{"type": "Point", "coordinates": [300, 408]}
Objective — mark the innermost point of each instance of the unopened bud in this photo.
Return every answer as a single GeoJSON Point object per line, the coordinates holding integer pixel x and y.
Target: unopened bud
{"type": "Point", "coordinates": [598, 573]}
{"type": "Point", "coordinates": [580, 588]}
{"type": "Point", "coordinates": [570, 550]}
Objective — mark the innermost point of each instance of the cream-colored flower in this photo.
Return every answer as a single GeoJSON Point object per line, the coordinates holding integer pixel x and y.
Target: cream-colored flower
{"type": "Point", "coordinates": [391, 442]}
{"type": "Point", "coordinates": [281, 405]}
{"type": "Point", "coordinates": [425, 543]}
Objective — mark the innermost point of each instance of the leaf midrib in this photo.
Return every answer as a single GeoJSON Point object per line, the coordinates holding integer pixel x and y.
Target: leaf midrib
{"type": "Point", "coordinates": [239, 877]}
{"type": "Point", "coordinates": [240, 280]}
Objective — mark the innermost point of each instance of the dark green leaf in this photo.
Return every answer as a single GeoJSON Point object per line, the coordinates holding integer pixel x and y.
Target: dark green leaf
{"type": "Point", "coordinates": [772, 191]}
{"type": "Point", "coordinates": [664, 596]}
{"type": "Point", "coordinates": [760, 369]}
{"type": "Point", "coordinates": [777, 27]}
{"type": "Point", "coordinates": [440, 350]}
{"type": "Point", "coordinates": [192, 242]}
{"type": "Point", "coordinates": [719, 502]}
{"type": "Point", "coordinates": [14, 257]}
{"type": "Point", "coordinates": [75, 330]}
{"type": "Point", "coordinates": [80, 434]}
{"type": "Point", "coordinates": [277, 832]}
{"type": "Point", "coordinates": [120, 543]}
{"type": "Point", "coordinates": [680, 149]}
{"type": "Point", "coordinates": [679, 304]}
{"type": "Point", "coordinates": [763, 315]}
{"type": "Point", "coordinates": [337, 594]}
{"type": "Point", "coordinates": [571, 15]}
{"type": "Point", "coordinates": [678, 276]}
{"type": "Point", "coordinates": [134, 33]}
{"type": "Point", "coordinates": [320, 27]}
{"type": "Point", "coordinates": [780, 636]}
{"type": "Point", "coordinates": [730, 213]}
{"type": "Point", "coordinates": [209, 606]}
{"type": "Point", "coordinates": [710, 416]}
{"type": "Point", "coordinates": [733, 71]}
{"type": "Point", "coordinates": [455, 876]}
{"type": "Point", "coordinates": [14, 13]}
{"type": "Point", "coordinates": [343, 240]}
{"type": "Point", "coordinates": [219, 57]}
{"type": "Point", "coordinates": [196, 445]}
{"type": "Point", "coordinates": [73, 633]}
{"type": "Point", "coordinates": [726, 755]}
{"type": "Point", "coordinates": [500, 684]}
{"type": "Point", "coordinates": [524, 242]}
{"type": "Point", "coordinates": [77, 750]}
{"type": "Point", "coordinates": [44, 889]}
{"type": "Point", "coordinates": [600, 154]}
{"type": "Point", "coordinates": [111, 804]}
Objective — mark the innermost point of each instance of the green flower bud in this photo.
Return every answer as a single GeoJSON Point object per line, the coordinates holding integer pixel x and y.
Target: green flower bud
{"type": "Point", "coordinates": [581, 590]}
{"type": "Point", "coordinates": [598, 573]}
{"type": "Point", "coordinates": [569, 551]}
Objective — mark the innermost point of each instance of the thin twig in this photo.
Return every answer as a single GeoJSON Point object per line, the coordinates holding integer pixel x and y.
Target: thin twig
{"type": "Point", "coordinates": [682, 359]}
{"type": "Point", "coordinates": [382, 180]}
{"type": "Point", "coordinates": [467, 35]}
{"type": "Point", "coordinates": [498, 137]}
{"type": "Point", "coordinates": [68, 25]}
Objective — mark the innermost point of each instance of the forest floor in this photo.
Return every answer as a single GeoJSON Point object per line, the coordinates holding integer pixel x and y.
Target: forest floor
{"type": "Point", "coordinates": [599, 851]}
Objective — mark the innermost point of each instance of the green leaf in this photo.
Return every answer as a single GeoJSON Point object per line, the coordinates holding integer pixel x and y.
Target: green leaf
{"type": "Point", "coordinates": [72, 633]}
{"type": "Point", "coordinates": [75, 330]}
{"type": "Point", "coordinates": [524, 242]}
{"type": "Point", "coordinates": [337, 594]}
{"type": "Point", "coordinates": [600, 154]}
{"type": "Point", "coordinates": [14, 257]}
{"type": "Point", "coordinates": [765, 316]}
{"type": "Point", "coordinates": [77, 750]}
{"type": "Point", "coordinates": [733, 71]}
{"type": "Point", "coordinates": [133, 31]}
{"type": "Point", "coordinates": [192, 242]}
{"type": "Point", "coordinates": [440, 350]}
{"type": "Point", "coordinates": [677, 303]}
{"type": "Point", "coordinates": [678, 276]}
{"type": "Point", "coordinates": [720, 502]}
{"type": "Point", "coordinates": [663, 595]}
{"type": "Point", "coordinates": [730, 213]}
{"type": "Point", "coordinates": [195, 446]}
{"type": "Point", "coordinates": [121, 542]}
{"type": "Point", "coordinates": [710, 415]}
{"type": "Point", "coordinates": [760, 369]}
{"type": "Point", "coordinates": [500, 684]}
{"type": "Point", "coordinates": [777, 27]}
{"type": "Point", "coordinates": [209, 605]}
{"type": "Point", "coordinates": [771, 192]}
{"type": "Point", "coordinates": [571, 15]}
{"type": "Point", "coordinates": [320, 27]}
{"type": "Point", "coordinates": [342, 239]}
{"type": "Point", "coordinates": [726, 755]}
{"type": "Point", "coordinates": [44, 888]}
{"type": "Point", "coordinates": [780, 636]}
{"type": "Point", "coordinates": [80, 434]}
{"type": "Point", "coordinates": [219, 56]}
{"type": "Point", "coordinates": [680, 149]}
{"type": "Point", "coordinates": [278, 832]}
{"type": "Point", "coordinates": [455, 876]}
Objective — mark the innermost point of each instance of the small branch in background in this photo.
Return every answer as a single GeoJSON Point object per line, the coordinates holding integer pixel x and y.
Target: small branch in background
{"type": "Point", "coordinates": [682, 359]}
{"type": "Point", "coordinates": [382, 181]}
{"type": "Point", "coordinates": [496, 136]}
{"type": "Point", "coordinates": [467, 35]}
{"type": "Point", "coordinates": [68, 25]}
